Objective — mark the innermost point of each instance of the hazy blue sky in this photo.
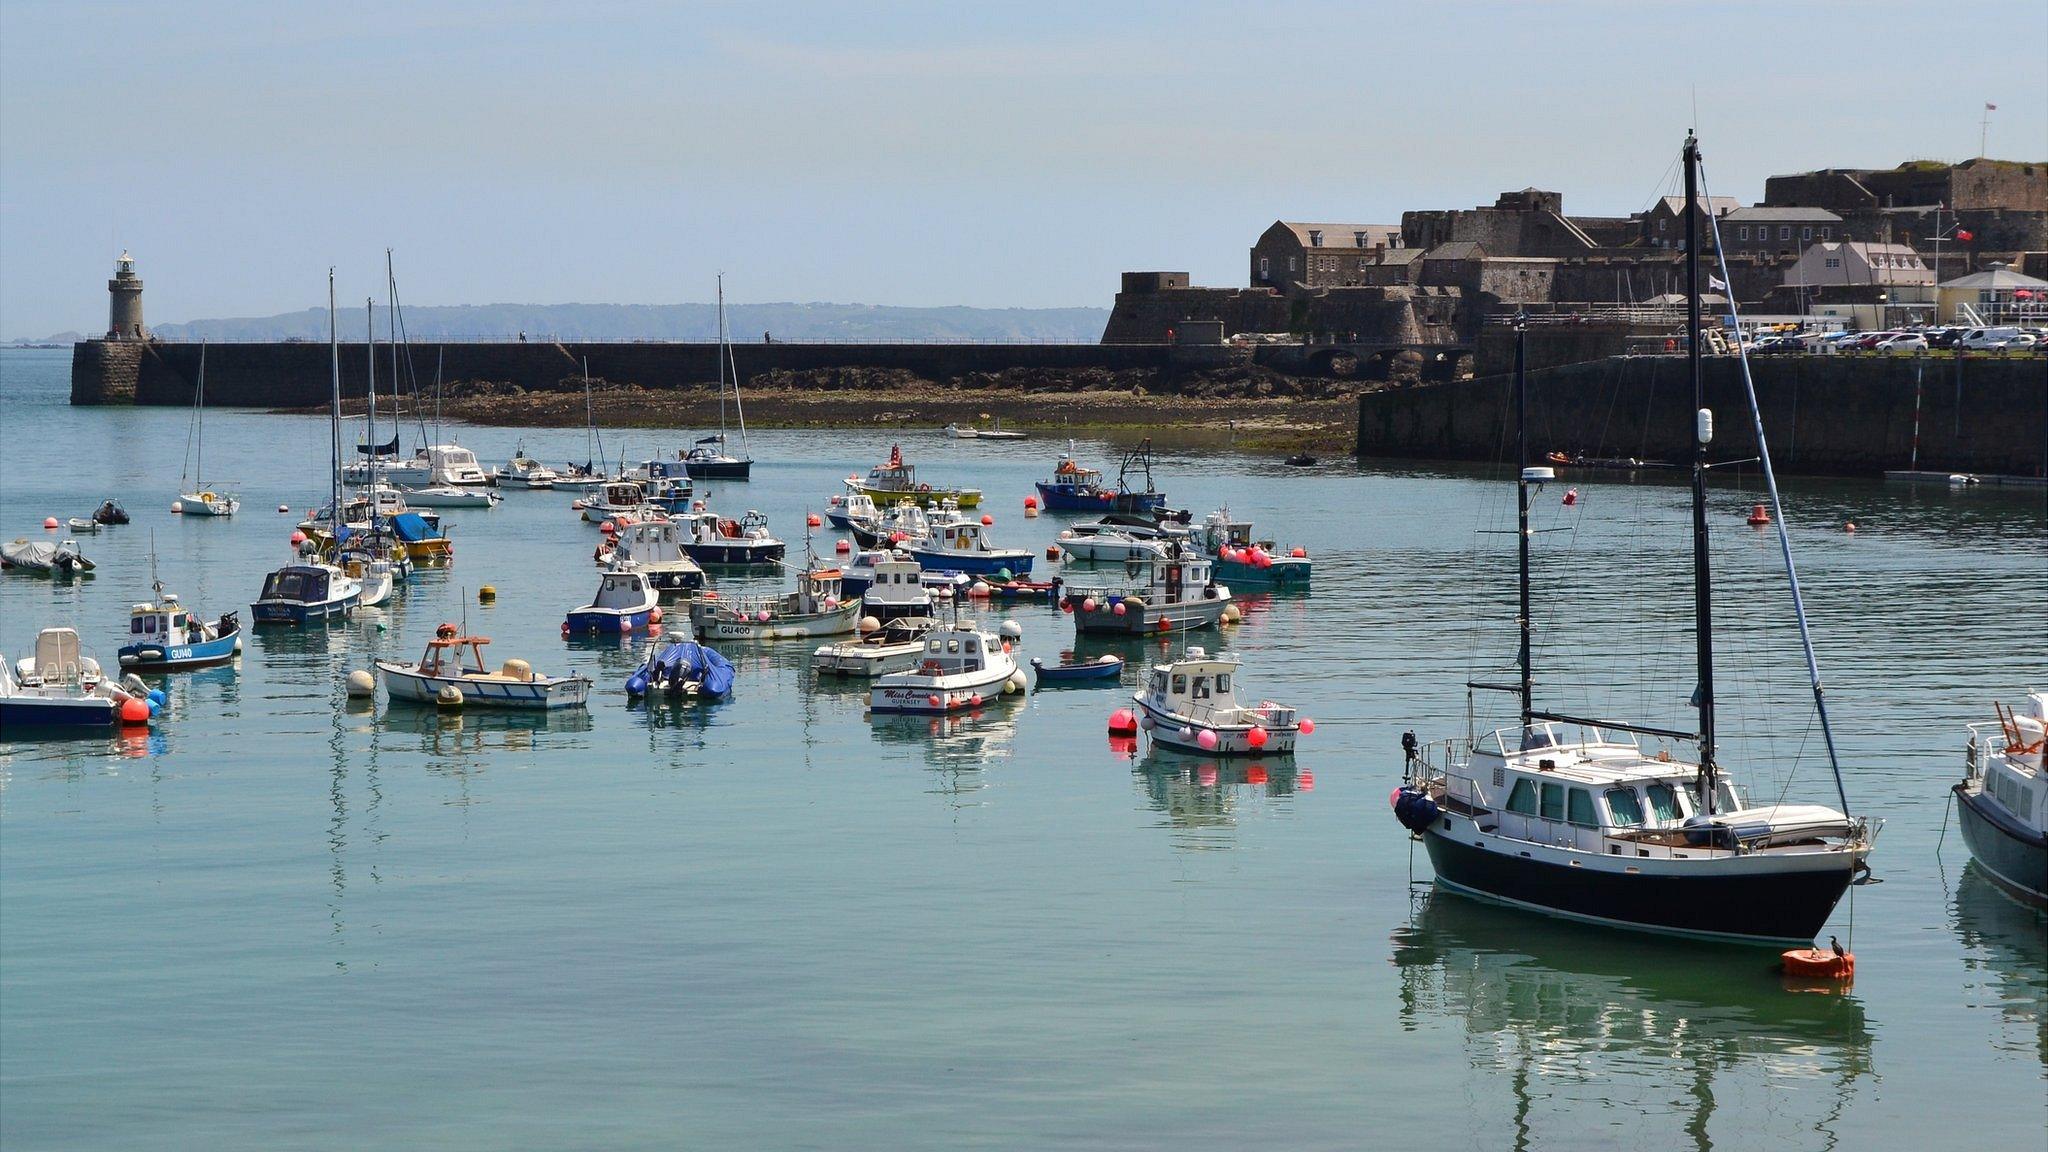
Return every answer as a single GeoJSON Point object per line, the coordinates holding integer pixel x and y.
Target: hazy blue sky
{"type": "Point", "coordinates": [972, 153]}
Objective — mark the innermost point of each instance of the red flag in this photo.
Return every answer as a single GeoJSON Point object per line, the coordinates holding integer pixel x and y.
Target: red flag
{"type": "Point", "coordinates": [1965, 236]}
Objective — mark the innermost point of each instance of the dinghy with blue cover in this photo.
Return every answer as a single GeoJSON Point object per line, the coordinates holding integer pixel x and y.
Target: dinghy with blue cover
{"type": "Point", "coordinates": [682, 669]}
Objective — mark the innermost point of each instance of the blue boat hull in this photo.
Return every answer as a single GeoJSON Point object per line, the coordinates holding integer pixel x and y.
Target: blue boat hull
{"type": "Point", "coordinates": [1085, 498]}
{"type": "Point", "coordinates": [1094, 673]}
{"type": "Point", "coordinates": [2015, 856]}
{"type": "Point", "coordinates": [973, 563]}
{"type": "Point", "coordinates": [735, 555]}
{"type": "Point", "coordinates": [16, 714]}
{"type": "Point", "coordinates": [151, 657]}
{"type": "Point", "coordinates": [1284, 572]}
{"type": "Point", "coordinates": [609, 623]}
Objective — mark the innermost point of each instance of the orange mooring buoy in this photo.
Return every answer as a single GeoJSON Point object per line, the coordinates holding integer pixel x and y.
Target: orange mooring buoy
{"type": "Point", "coordinates": [1820, 963]}
{"type": "Point", "coordinates": [1757, 515]}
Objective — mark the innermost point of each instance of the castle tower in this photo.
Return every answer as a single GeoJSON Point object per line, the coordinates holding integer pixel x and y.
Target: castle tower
{"type": "Point", "coordinates": [124, 302]}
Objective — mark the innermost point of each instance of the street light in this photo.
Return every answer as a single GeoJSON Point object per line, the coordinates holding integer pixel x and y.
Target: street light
{"type": "Point", "coordinates": [1881, 298]}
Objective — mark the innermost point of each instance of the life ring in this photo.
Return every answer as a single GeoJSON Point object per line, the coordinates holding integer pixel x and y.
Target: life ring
{"type": "Point", "coordinates": [924, 487]}
{"type": "Point", "coordinates": [929, 667]}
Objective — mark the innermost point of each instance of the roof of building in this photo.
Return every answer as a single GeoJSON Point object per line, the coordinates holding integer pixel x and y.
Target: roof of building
{"type": "Point", "coordinates": [1344, 235]}
{"type": "Point", "coordinates": [1765, 214]}
{"type": "Point", "coordinates": [1996, 277]}
{"type": "Point", "coordinates": [1400, 256]}
{"type": "Point", "coordinates": [1716, 205]}
{"type": "Point", "coordinates": [1457, 250]}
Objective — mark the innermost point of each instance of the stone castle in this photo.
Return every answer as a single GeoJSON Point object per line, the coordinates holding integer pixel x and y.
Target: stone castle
{"type": "Point", "coordinates": [1440, 274]}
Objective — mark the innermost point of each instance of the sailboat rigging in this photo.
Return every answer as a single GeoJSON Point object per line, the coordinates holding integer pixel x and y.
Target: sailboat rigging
{"type": "Point", "coordinates": [1569, 816]}
{"type": "Point", "coordinates": [708, 459]}
{"type": "Point", "coordinates": [200, 500]}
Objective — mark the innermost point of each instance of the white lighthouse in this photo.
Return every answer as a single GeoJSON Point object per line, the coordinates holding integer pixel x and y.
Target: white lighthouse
{"type": "Point", "coordinates": [124, 302]}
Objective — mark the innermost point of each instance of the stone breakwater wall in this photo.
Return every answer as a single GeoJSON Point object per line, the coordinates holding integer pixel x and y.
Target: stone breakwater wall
{"type": "Point", "coordinates": [1824, 415]}
{"type": "Point", "coordinates": [296, 374]}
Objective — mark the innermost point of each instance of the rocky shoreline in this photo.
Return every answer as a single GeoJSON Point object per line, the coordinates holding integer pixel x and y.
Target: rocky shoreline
{"type": "Point", "coordinates": [1257, 410]}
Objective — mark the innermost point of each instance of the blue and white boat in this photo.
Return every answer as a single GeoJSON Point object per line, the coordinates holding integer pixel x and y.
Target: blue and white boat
{"type": "Point", "coordinates": [625, 602]}
{"type": "Point", "coordinates": [163, 636]}
{"type": "Point", "coordinates": [856, 509]}
{"type": "Point", "coordinates": [306, 593]}
{"type": "Point", "coordinates": [716, 541]}
{"type": "Point", "coordinates": [2002, 801]}
{"type": "Point", "coordinates": [57, 688]}
{"type": "Point", "coordinates": [960, 543]}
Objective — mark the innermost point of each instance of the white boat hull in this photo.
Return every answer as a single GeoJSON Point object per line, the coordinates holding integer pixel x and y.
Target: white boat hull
{"type": "Point", "coordinates": [866, 661]}
{"type": "Point", "coordinates": [403, 682]}
{"type": "Point", "coordinates": [940, 694]}
{"type": "Point", "coordinates": [715, 623]}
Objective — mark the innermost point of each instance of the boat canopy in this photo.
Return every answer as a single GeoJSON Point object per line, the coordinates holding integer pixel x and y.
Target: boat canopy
{"type": "Point", "coordinates": [688, 659]}
{"type": "Point", "coordinates": [411, 528]}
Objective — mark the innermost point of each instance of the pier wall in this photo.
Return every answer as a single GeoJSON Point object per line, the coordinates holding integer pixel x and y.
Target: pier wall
{"type": "Point", "coordinates": [1824, 415]}
{"type": "Point", "coordinates": [293, 374]}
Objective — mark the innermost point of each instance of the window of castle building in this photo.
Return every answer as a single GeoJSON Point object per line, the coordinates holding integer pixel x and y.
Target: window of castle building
{"type": "Point", "coordinates": [1806, 233]}
{"type": "Point", "coordinates": [1784, 231]}
{"type": "Point", "coordinates": [1743, 232]}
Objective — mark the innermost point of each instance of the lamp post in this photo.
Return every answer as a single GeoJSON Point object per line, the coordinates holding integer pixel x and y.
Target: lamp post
{"type": "Point", "coordinates": [1940, 234]}
{"type": "Point", "coordinates": [1881, 298]}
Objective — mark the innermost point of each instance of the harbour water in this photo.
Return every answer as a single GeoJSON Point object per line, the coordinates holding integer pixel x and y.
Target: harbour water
{"type": "Point", "coordinates": [285, 920]}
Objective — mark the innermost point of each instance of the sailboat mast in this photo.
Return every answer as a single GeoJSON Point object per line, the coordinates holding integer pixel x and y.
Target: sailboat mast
{"type": "Point", "coordinates": [721, 361]}
{"type": "Point", "coordinates": [334, 416]}
{"type": "Point", "coordinates": [1522, 617]}
{"type": "Point", "coordinates": [1702, 582]}
{"type": "Point", "coordinates": [370, 360]}
{"type": "Point", "coordinates": [199, 464]}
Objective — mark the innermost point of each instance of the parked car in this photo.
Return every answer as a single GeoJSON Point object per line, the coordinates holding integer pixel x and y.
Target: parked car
{"type": "Point", "coordinates": [1992, 339]}
{"type": "Point", "coordinates": [1869, 340]}
{"type": "Point", "coordinates": [1902, 342]}
{"type": "Point", "coordinates": [1944, 337]}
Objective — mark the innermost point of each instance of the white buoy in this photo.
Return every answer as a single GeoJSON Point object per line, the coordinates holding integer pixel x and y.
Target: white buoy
{"type": "Point", "coordinates": [449, 697]}
{"type": "Point", "coordinates": [1016, 682]}
{"type": "Point", "coordinates": [177, 505]}
{"type": "Point", "coordinates": [1231, 615]}
{"type": "Point", "coordinates": [869, 625]}
{"type": "Point", "coordinates": [1011, 630]}
{"type": "Point", "coordinates": [361, 683]}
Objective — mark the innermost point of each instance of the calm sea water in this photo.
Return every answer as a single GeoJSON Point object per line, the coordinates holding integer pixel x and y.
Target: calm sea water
{"type": "Point", "coordinates": [282, 920]}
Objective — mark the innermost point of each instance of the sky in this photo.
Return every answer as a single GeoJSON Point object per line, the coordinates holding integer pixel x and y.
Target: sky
{"type": "Point", "coordinates": [989, 154]}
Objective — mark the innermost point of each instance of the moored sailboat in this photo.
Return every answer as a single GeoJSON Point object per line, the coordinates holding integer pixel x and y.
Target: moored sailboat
{"type": "Point", "coordinates": [708, 459]}
{"type": "Point", "coordinates": [1571, 816]}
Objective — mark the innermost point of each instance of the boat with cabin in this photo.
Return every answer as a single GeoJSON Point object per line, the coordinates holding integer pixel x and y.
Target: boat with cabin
{"type": "Point", "coordinates": [853, 508]}
{"type": "Point", "coordinates": [163, 636]}
{"type": "Point", "coordinates": [892, 645]}
{"type": "Point", "coordinates": [889, 584]}
{"type": "Point", "coordinates": [616, 498]}
{"type": "Point", "coordinates": [1190, 705]}
{"type": "Point", "coordinates": [431, 465]}
{"type": "Point", "coordinates": [816, 608]}
{"type": "Point", "coordinates": [898, 524]}
{"type": "Point", "coordinates": [452, 660]}
{"type": "Point", "coordinates": [995, 431]}
{"type": "Point", "coordinates": [722, 542]}
{"type": "Point", "coordinates": [1176, 594]}
{"type": "Point", "coordinates": [451, 496]}
{"type": "Point", "coordinates": [1573, 816]}
{"type": "Point", "coordinates": [1245, 561]}
{"type": "Point", "coordinates": [625, 602]}
{"type": "Point", "coordinates": [2002, 800]}
{"type": "Point", "coordinates": [305, 592]}
{"type": "Point", "coordinates": [523, 471]}
{"type": "Point", "coordinates": [957, 542]}
{"type": "Point", "coordinates": [896, 480]}
{"type": "Point", "coordinates": [960, 668]}
{"type": "Point", "coordinates": [656, 549]}
{"type": "Point", "coordinates": [58, 687]}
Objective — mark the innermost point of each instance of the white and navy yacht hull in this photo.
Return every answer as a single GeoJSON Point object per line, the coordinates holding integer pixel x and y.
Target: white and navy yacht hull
{"type": "Point", "coordinates": [301, 613]}
{"type": "Point", "coordinates": [1016, 562]}
{"type": "Point", "coordinates": [24, 713]}
{"type": "Point", "coordinates": [736, 554]}
{"type": "Point", "coordinates": [2012, 854]}
{"type": "Point", "coordinates": [1754, 898]}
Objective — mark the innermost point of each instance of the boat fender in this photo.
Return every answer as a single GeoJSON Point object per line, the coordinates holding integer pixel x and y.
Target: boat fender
{"type": "Point", "coordinates": [1415, 810]}
{"type": "Point", "coordinates": [636, 684]}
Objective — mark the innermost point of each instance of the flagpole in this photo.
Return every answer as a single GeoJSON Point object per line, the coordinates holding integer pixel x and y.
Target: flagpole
{"type": "Point", "coordinates": [1984, 130]}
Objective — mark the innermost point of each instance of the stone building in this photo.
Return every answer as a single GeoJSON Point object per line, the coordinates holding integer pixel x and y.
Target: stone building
{"type": "Point", "coordinates": [1777, 231]}
{"type": "Point", "coordinates": [1530, 222]}
{"type": "Point", "coordinates": [1856, 263]}
{"type": "Point", "coordinates": [1663, 226]}
{"type": "Point", "coordinates": [124, 302]}
{"type": "Point", "coordinates": [1318, 255]}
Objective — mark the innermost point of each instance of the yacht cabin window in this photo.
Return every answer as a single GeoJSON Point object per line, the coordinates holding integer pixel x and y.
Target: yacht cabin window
{"type": "Point", "coordinates": [1726, 798]}
{"type": "Point", "coordinates": [1201, 687]}
{"type": "Point", "coordinates": [1625, 809]}
{"type": "Point", "coordinates": [1523, 798]}
{"type": "Point", "coordinates": [1222, 682]}
{"type": "Point", "coordinates": [1579, 808]}
{"type": "Point", "coordinates": [1553, 801]}
{"type": "Point", "coordinates": [1664, 803]}
{"type": "Point", "coordinates": [1180, 683]}
{"type": "Point", "coordinates": [952, 645]}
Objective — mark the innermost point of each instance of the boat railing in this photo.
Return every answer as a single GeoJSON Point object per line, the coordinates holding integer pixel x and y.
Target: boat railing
{"type": "Point", "coordinates": [1272, 715]}
{"type": "Point", "coordinates": [1441, 760]}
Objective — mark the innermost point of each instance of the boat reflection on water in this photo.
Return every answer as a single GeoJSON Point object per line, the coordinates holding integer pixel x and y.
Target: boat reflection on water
{"type": "Point", "coordinates": [474, 733]}
{"type": "Point", "coordinates": [954, 747]}
{"type": "Point", "coordinates": [1580, 1022]}
{"type": "Point", "coordinates": [2006, 955]}
{"type": "Point", "coordinates": [1203, 797]}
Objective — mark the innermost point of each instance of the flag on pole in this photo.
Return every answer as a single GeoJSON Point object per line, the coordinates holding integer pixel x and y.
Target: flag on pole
{"type": "Point", "coordinates": [1715, 283]}
{"type": "Point", "coordinates": [1990, 107]}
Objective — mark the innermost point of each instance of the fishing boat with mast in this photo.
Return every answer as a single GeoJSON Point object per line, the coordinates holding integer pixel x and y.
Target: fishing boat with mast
{"type": "Point", "coordinates": [195, 498]}
{"type": "Point", "coordinates": [165, 636]}
{"type": "Point", "coordinates": [707, 459]}
{"type": "Point", "coordinates": [895, 481]}
{"type": "Point", "coordinates": [1570, 815]}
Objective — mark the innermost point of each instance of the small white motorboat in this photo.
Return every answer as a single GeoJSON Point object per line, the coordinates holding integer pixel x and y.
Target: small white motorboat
{"type": "Point", "coordinates": [83, 524]}
{"type": "Point", "coordinates": [450, 496]}
{"type": "Point", "coordinates": [523, 471]}
{"type": "Point", "coordinates": [1191, 705]}
{"type": "Point", "coordinates": [442, 666]}
{"type": "Point", "coordinates": [891, 646]}
{"type": "Point", "coordinates": [814, 609]}
{"type": "Point", "coordinates": [1110, 545]}
{"type": "Point", "coordinates": [961, 668]}
{"type": "Point", "coordinates": [60, 687]}
{"type": "Point", "coordinates": [656, 548]}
